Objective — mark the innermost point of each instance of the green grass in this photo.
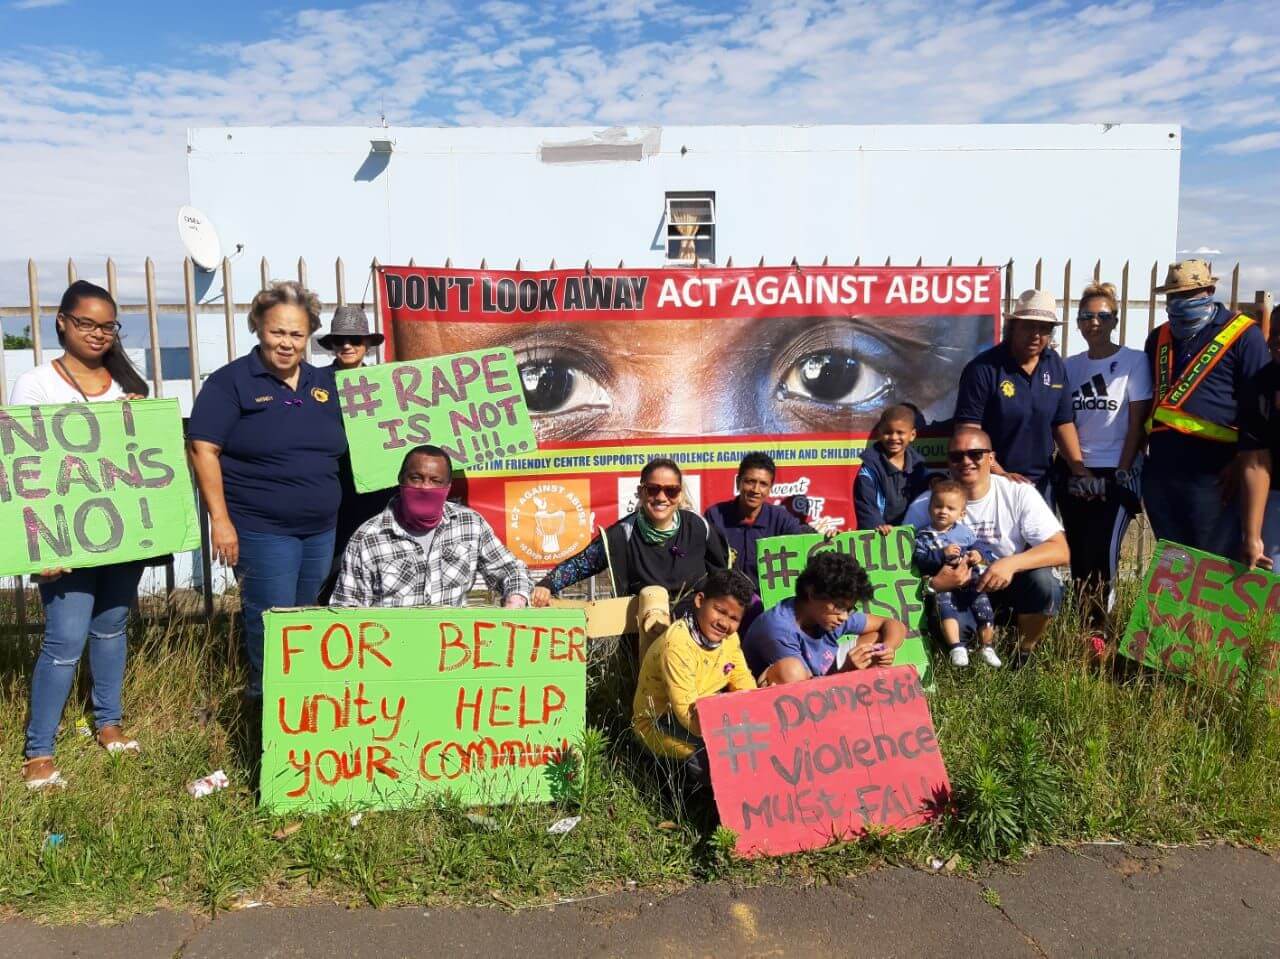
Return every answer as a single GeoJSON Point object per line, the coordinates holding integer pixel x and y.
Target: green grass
{"type": "Point", "coordinates": [1058, 752]}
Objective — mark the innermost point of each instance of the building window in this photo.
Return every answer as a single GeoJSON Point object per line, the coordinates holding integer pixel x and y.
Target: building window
{"type": "Point", "coordinates": [691, 227]}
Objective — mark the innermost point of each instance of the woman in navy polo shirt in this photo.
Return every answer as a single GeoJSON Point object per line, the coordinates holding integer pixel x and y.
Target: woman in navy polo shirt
{"type": "Point", "coordinates": [1017, 393]}
{"type": "Point", "coordinates": [265, 439]}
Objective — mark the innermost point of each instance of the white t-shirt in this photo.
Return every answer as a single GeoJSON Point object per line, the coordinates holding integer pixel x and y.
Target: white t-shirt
{"type": "Point", "coordinates": [1101, 391]}
{"type": "Point", "coordinates": [45, 384]}
{"type": "Point", "coordinates": [1010, 519]}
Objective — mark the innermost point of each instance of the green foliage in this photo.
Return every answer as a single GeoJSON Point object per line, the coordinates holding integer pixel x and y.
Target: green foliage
{"type": "Point", "coordinates": [19, 341]}
{"type": "Point", "coordinates": [1059, 751]}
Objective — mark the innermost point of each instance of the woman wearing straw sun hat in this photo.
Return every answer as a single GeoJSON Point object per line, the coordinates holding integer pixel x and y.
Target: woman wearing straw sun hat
{"type": "Point", "coordinates": [349, 340]}
{"type": "Point", "coordinates": [1017, 393]}
{"type": "Point", "coordinates": [1202, 360]}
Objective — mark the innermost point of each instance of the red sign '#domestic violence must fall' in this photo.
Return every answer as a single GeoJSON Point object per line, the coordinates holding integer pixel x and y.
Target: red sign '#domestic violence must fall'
{"type": "Point", "coordinates": [801, 766]}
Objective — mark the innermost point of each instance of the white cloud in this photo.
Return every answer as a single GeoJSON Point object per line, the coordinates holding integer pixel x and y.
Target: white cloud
{"type": "Point", "coordinates": [1251, 144]}
{"type": "Point", "coordinates": [92, 151]}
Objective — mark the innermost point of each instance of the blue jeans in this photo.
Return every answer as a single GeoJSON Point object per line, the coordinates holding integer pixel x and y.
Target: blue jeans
{"type": "Point", "coordinates": [86, 605]}
{"type": "Point", "coordinates": [1187, 508]}
{"type": "Point", "coordinates": [277, 571]}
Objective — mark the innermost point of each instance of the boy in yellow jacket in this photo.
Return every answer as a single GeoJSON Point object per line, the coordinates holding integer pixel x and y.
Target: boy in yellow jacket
{"type": "Point", "coordinates": [698, 655]}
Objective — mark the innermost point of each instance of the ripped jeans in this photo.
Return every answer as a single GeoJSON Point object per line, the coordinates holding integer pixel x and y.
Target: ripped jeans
{"type": "Point", "coordinates": [86, 605]}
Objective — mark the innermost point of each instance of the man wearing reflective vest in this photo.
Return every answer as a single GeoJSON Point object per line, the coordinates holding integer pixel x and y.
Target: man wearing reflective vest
{"type": "Point", "coordinates": [1202, 360]}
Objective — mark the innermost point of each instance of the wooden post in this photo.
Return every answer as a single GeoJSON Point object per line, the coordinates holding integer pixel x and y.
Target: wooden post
{"type": "Point", "coordinates": [1039, 272]}
{"type": "Point", "coordinates": [302, 281]}
{"type": "Point", "coordinates": [193, 334]}
{"type": "Point", "coordinates": [1124, 301]}
{"type": "Point", "coordinates": [340, 279]}
{"type": "Point", "coordinates": [1151, 296]}
{"type": "Point", "coordinates": [264, 273]}
{"type": "Point", "coordinates": [1066, 305]}
{"type": "Point", "coordinates": [33, 292]}
{"type": "Point", "coordinates": [377, 309]}
{"type": "Point", "coordinates": [72, 273]}
{"type": "Point", "coordinates": [1008, 286]}
{"type": "Point", "coordinates": [228, 309]}
{"type": "Point", "coordinates": [153, 329]}
{"type": "Point", "coordinates": [1262, 303]}
{"type": "Point", "coordinates": [1235, 289]}
{"type": "Point", "coordinates": [112, 284]}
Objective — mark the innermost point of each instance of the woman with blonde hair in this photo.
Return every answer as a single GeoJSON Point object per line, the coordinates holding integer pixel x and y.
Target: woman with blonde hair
{"type": "Point", "coordinates": [265, 438]}
{"type": "Point", "coordinates": [1111, 396]}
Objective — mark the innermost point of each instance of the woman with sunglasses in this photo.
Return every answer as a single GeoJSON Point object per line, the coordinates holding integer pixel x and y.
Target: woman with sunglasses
{"type": "Point", "coordinates": [1111, 396]}
{"type": "Point", "coordinates": [659, 544]}
{"type": "Point", "coordinates": [349, 340]}
{"type": "Point", "coordinates": [85, 606]}
{"type": "Point", "coordinates": [265, 438]}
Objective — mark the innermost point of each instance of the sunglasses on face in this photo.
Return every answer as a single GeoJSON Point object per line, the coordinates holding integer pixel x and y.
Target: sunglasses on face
{"type": "Point", "coordinates": [1102, 316]}
{"type": "Point", "coordinates": [959, 456]}
{"type": "Point", "coordinates": [652, 490]}
{"type": "Point", "coordinates": [340, 341]}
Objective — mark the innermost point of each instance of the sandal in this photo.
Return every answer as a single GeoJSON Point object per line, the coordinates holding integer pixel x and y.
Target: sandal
{"type": "Point", "coordinates": [113, 740]}
{"type": "Point", "coordinates": [39, 772]}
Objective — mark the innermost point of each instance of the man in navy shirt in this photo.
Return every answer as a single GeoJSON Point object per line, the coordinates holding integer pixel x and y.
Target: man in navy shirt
{"type": "Point", "coordinates": [819, 631]}
{"type": "Point", "coordinates": [1202, 362]}
{"type": "Point", "coordinates": [1016, 392]}
{"type": "Point", "coordinates": [750, 517]}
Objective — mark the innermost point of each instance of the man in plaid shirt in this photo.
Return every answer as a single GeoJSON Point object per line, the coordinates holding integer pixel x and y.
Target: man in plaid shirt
{"type": "Point", "coordinates": [424, 551]}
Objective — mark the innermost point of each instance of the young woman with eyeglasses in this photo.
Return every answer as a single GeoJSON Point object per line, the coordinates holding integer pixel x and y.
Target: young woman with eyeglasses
{"type": "Point", "coordinates": [84, 606]}
{"type": "Point", "coordinates": [1111, 396]}
{"type": "Point", "coordinates": [660, 544]}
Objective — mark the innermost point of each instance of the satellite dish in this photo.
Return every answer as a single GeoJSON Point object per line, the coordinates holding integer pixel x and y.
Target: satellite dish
{"type": "Point", "coordinates": [200, 238]}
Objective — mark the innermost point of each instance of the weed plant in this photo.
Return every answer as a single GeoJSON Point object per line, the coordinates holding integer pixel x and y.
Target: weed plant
{"type": "Point", "coordinates": [1062, 750]}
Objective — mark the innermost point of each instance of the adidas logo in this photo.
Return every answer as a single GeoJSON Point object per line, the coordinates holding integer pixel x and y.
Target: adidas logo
{"type": "Point", "coordinates": [1093, 396]}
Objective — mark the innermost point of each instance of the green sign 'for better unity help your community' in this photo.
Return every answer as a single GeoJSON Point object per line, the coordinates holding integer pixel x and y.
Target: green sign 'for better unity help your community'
{"type": "Point", "coordinates": [87, 484]}
{"type": "Point", "coordinates": [379, 707]}
{"type": "Point", "coordinates": [897, 590]}
{"type": "Point", "coordinates": [471, 405]}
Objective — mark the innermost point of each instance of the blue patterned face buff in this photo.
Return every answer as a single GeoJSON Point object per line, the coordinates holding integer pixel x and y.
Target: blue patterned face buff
{"type": "Point", "coordinates": [1189, 316]}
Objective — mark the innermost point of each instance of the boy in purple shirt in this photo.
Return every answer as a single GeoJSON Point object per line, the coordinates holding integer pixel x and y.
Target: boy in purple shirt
{"type": "Point", "coordinates": [820, 631]}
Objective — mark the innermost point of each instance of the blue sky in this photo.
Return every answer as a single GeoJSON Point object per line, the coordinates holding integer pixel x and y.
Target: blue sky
{"type": "Point", "coordinates": [95, 97]}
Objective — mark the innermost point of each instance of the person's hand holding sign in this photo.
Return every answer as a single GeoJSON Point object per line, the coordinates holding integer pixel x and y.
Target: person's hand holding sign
{"type": "Point", "coordinates": [49, 575]}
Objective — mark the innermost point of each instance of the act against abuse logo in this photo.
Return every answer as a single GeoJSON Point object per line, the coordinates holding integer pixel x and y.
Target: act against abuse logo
{"type": "Point", "coordinates": [548, 522]}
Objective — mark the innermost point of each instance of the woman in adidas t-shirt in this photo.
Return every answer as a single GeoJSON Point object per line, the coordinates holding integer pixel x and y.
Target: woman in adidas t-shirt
{"type": "Point", "coordinates": [1111, 398]}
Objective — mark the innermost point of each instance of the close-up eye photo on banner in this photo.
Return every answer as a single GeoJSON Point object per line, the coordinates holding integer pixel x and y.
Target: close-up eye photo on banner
{"type": "Point", "coordinates": [704, 366]}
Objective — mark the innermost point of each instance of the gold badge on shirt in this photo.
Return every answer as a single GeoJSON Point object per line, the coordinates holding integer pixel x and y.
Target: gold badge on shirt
{"type": "Point", "coordinates": [1006, 387]}
{"type": "Point", "coordinates": [319, 394]}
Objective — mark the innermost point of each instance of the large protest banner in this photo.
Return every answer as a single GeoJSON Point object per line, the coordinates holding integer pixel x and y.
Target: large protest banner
{"type": "Point", "coordinates": [471, 405]}
{"type": "Point", "coordinates": [800, 766]}
{"type": "Point", "coordinates": [379, 707]}
{"type": "Point", "coordinates": [887, 559]}
{"type": "Point", "coordinates": [87, 484]}
{"type": "Point", "coordinates": [704, 366]}
{"type": "Point", "coordinates": [1202, 616]}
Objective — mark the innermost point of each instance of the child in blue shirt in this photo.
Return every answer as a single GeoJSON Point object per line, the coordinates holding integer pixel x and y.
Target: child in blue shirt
{"type": "Point", "coordinates": [948, 542]}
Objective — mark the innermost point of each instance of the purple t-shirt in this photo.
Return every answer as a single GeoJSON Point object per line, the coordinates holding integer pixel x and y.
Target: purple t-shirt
{"type": "Point", "coordinates": [776, 635]}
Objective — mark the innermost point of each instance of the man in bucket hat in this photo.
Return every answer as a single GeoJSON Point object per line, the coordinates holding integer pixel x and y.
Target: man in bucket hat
{"type": "Point", "coordinates": [349, 338]}
{"type": "Point", "coordinates": [1017, 393]}
{"type": "Point", "coordinates": [1202, 360]}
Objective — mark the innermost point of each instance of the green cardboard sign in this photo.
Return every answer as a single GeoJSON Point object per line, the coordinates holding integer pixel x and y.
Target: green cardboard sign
{"type": "Point", "coordinates": [1198, 616]}
{"type": "Point", "coordinates": [471, 405]}
{"type": "Point", "coordinates": [379, 708]}
{"type": "Point", "coordinates": [88, 484]}
{"type": "Point", "coordinates": [898, 589]}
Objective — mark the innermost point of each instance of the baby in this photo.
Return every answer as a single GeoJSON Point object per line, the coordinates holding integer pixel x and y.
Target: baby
{"type": "Point", "coordinates": [948, 542]}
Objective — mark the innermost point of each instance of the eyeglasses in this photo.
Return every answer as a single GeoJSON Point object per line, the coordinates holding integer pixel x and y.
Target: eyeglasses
{"type": "Point", "coordinates": [959, 456]}
{"type": "Point", "coordinates": [340, 341]}
{"type": "Point", "coordinates": [652, 490]}
{"type": "Point", "coordinates": [1102, 316]}
{"type": "Point", "coordinates": [86, 325]}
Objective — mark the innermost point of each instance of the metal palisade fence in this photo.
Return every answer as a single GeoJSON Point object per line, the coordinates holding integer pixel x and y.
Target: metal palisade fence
{"type": "Point", "coordinates": [1140, 309]}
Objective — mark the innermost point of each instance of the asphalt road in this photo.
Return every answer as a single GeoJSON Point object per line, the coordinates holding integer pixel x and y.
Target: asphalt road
{"type": "Point", "coordinates": [1085, 901]}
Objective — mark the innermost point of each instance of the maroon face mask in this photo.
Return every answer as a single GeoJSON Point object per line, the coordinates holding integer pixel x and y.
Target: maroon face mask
{"type": "Point", "coordinates": [420, 508]}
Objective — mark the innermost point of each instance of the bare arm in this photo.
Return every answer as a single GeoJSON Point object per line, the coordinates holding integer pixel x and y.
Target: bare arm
{"type": "Point", "coordinates": [1068, 441]}
{"type": "Point", "coordinates": [1052, 552]}
{"type": "Point", "coordinates": [882, 632]}
{"type": "Point", "coordinates": [1256, 467]}
{"type": "Point", "coordinates": [1135, 436]}
{"type": "Point", "coordinates": [205, 459]}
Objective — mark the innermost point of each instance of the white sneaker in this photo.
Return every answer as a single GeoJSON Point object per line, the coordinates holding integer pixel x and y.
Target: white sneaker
{"type": "Point", "coordinates": [959, 656]}
{"type": "Point", "coordinates": [989, 657]}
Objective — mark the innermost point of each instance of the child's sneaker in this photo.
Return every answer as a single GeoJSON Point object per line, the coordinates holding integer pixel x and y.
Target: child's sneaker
{"type": "Point", "coordinates": [959, 656]}
{"type": "Point", "coordinates": [988, 656]}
